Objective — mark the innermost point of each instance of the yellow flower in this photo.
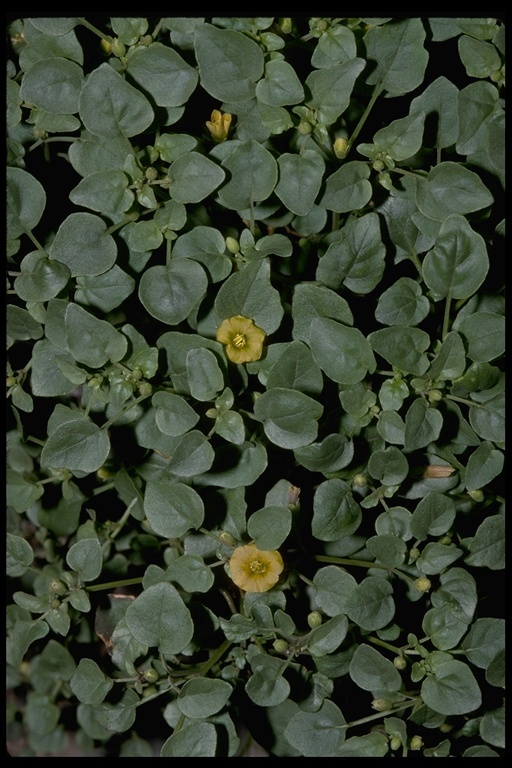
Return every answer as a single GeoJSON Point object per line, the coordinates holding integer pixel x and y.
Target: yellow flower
{"type": "Point", "coordinates": [243, 339]}
{"type": "Point", "coordinates": [219, 125]}
{"type": "Point", "coordinates": [255, 570]}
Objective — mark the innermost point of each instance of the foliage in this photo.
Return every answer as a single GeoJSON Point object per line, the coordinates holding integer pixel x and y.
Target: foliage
{"type": "Point", "coordinates": [335, 187]}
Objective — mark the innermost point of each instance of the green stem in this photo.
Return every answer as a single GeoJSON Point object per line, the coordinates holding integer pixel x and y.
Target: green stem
{"type": "Point", "coordinates": [387, 713]}
{"type": "Point", "coordinates": [94, 29]}
{"type": "Point", "coordinates": [122, 520]}
{"type": "Point", "coordinates": [463, 400]}
{"type": "Point", "coordinates": [113, 584]}
{"type": "Point", "coordinates": [362, 564]}
{"type": "Point", "coordinates": [446, 318]}
{"type": "Point", "coordinates": [221, 650]}
{"type": "Point", "coordinates": [377, 92]}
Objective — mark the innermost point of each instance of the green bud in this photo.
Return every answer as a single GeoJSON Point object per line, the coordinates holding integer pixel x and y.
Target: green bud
{"type": "Point", "coordinates": [151, 675]}
{"type": "Point", "coordinates": [445, 727]}
{"type": "Point", "coordinates": [399, 662]}
{"type": "Point", "coordinates": [118, 47]}
{"type": "Point", "coordinates": [286, 25]}
{"type": "Point", "coordinates": [423, 584]}
{"type": "Point", "coordinates": [145, 388]}
{"type": "Point", "coordinates": [280, 645]}
{"type": "Point", "coordinates": [395, 743]}
{"type": "Point", "coordinates": [314, 619]}
{"type": "Point", "coordinates": [416, 743]}
{"type": "Point", "coordinates": [151, 173]}
{"type": "Point", "coordinates": [146, 40]}
{"type": "Point", "coordinates": [359, 480]}
{"type": "Point", "coordinates": [227, 538]}
{"type": "Point", "coordinates": [149, 691]}
{"type": "Point", "coordinates": [340, 147]}
{"type": "Point", "coordinates": [414, 553]}
{"type": "Point", "coordinates": [232, 245]}
{"type": "Point", "coordinates": [378, 165]}
{"type": "Point", "coordinates": [305, 128]}
{"type": "Point", "coordinates": [58, 588]}
{"type": "Point", "coordinates": [382, 705]}
{"type": "Point", "coordinates": [106, 45]}
{"type": "Point", "coordinates": [11, 381]}
{"type": "Point", "coordinates": [477, 495]}
{"type": "Point", "coordinates": [435, 395]}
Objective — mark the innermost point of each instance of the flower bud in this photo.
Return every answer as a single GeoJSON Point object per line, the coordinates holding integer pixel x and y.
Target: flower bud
{"type": "Point", "coordinates": [57, 587]}
{"type": "Point", "coordinates": [359, 480]}
{"type": "Point", "coordinates": [435, 395]}
{"type": "Point", "coordinates": [399, 662]}
{"type": "Point", "coordinates": [106, 45]}
{"type": "Point", "coordinates": [151, 675]}
{"type": "Point", "coordinates": [305, 128]}
{"type": "Point", "coordinates": [416, 743]}
{"type": "Point", "coordinates": [145, 388]}
{"type": "Point", "coordinates": [232, 245]}
{"type": "Point", "coordinates": [382, 705]}
{"type": "Point", "coordinates": [477, 494]}
{"type": "Point", "coordinates": [423, 584]}
{"type": "Point", "coordinates": [286, 25]}
{"type": "Point", "coordinates": [395, 742]}
{"type": "Point", "coordinates": [280, 645]}
{"type": "Point", "coordinates": [227, 538]}
{"type": "Point", "coordinates": [151, 173]}
{"type": "Point", "coordinates": [340, 148]}
{"type": "Point", "coordinates": [314, 619]}
{"type": "Point", "coordinates": [378, 165]}
{"type": "Point", "coordinates": [118, 47]}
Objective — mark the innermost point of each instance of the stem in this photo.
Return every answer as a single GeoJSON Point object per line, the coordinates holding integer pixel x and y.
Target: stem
{"type": "Point", "coordinates": [361, 564]}
{"type": "Point", "coordinates": [464, 400]}
{"type": "Point", "coordinates": [221, 650]}
{"type": "Point", "coordinates": [387, 713]}
{"type": "Point", "coordinates": [120, 524]}
{"type": "Point", "coordinates": [446, 318]}
{"type": "Point", "coordinates": [114, 584]}
{"type": "Point", "coordinates": [377, 92]}
{"type": "Point", "coordinates": [94, 29]}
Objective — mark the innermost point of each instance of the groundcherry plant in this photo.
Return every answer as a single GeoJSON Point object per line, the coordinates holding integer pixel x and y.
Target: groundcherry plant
{"type": "Point", "coordinates": [255, 386]}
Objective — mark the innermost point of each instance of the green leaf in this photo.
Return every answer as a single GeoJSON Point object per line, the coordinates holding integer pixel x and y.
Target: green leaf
{"type": "Point", "coordinates": [403, 347]}
{"type": "Point", "coordinates": [40, 278]}
{"type": "Point", "coordinates": [402, 304]}
{"type": "Point", "coordinates": [450, 361]}
{"type": "Point", "coordinates": [388, 465]}
{"type": "Point", "coordinates": [191, 573]}
{"type": "Point", "coordinates": [331, 89]}
{"type": "Point", "coordinates": [159, 617]}
{"type": "Point", "coordinates": [488, 418]}
{"type": "Point", "coordinates": [373, 744]}
{"type": "Point", "coordinates": [342, 353]}
{"type": "Point", "coordinates": [280, 85]}
{"type": "Point", "coordinates": [296, 369]}
{"type": "Point", "coordinates": [458, 591]}
{"type": "Point", "coordinates": [208, 246]}
{"type": "Point", "coordinates": [103, 191]}
{"type": "Point", "coordinates": [480, 59]}
{"type": "Point", "coordinates": [78, 445]}
{"type": "Point", "coordinates": [443, 627]}
{"type": "Point", "coordinates": [92, 341]}
{"type": "Point", "coordinates": [193, 740]}
{"type": "Point", "coordinates": [236, 466]}
{"type": "Point", "coordinates": [477, 101]}
{"type": "Point", "coordinates": [311, 300]}
{"type": "Point", "coordinates": [172, 508]}
{"type": "Point", "coordinates": [194, 177]}
{"type": "Point", "coordinates": [333, 589]}
{"type": "Point", "coordinates": [317, 734]}
{"type": "Point", "coordinates": [250, 293]}
{"type": "Point", "coordinates": [371, 604]}
{"type": "Point", "coordinates": [163, 73]}
{"type": "Point", "coordinates": [204, 374]}
{"type": "Point", "coordinates": [86, 558]}
{"type": "Point", "coordinates": [171, 292]}
{"type": "Point", "coordinates": [106, 291]}
{"type": "Point", "coordinates": [452, 688]}
{"type": "Point", "coordinates": [300, 179]}
{"type": "Point", "coordinates": [485, 335]}
{"type": "Point", "coordinates": [398, 50]}
{"type": "Point", "coordinates": [41, 714]}
{"type": "Point", "coordinates": [269, 526]}
{"type": "Point", "coordinates": [110, 106]}
{"type": "Point", "coordinates": [202, 698]}
{"type": "Point", "coordinates": [484, 464]}
{"type": "Point", "coordinates": [483, 642]}
{"type": "Point", "coordinates": [402, 138]}
{"type": "Point", "coordinates": [26, 201]}
{"type": "Point", "coordinates": [267, 686]}
{"type": "Point", "coordinates": [441, 98]}
{"type": "Point", "coordinates": [348, 188]}
{"type": "Point", "coordinates": [436, 557]}
{"type": "Point", "coordinates": [333, 453]}
{"type": "Point", "coordinates": [328, 637]}
{"type": "Point", "coordinates": [289, 417]}
{"type": "Point", "coordinates": [451, 190]}
{"type": "Point", "coordinates": [433, 516]}
{"type": "Point", "coordinates": [335, 512]}
{"type": "Point", "coordinates": [395, 521]}
{"type": "Point", "coordinates": [173, 415]}
{"type": "Point", "coordinates": [19, 555]}
{"type": "Point", "coordinates": [357, 259]}
{"type": "Point", "coordinates": [89, 683]}
{"type": "Point", "coordinates": [487, 547]}
{"type": "Point", "coordinates": [21, 325]}
{"type": "Point", "coordinates": [252, 173]}
{"type": "Point", "coordinates": [387, 549]}
{"type": "Point", "coordinates": [229, 62]}
{"type": "Point", "coordinates": [118, 717]}
{"type": "Point", "coordinates": [54, 85]}
{"type": "Point", "coordinates": [371, 671]}
{"type": "Point", "coordinates": [335, 45]}
{"type": "Point", "coordinates": [192, 455]}
{"type": "Point", "coordinates": [423, 425]}
{"type": "Point", "coordinates": [83, 244]}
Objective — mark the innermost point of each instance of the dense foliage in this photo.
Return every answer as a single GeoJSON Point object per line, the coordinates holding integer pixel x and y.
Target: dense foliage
{"type": "Point", "coordinates": [255, 381]}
